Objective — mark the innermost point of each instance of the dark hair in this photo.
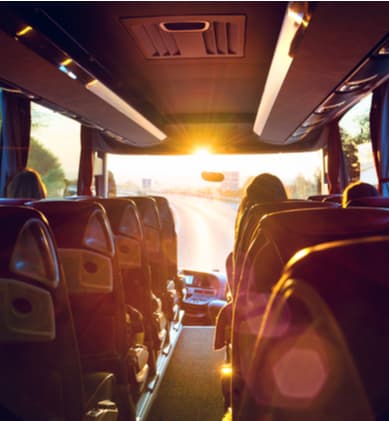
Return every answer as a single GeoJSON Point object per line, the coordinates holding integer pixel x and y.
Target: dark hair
{"type": "Point", "coordinates": [357, 190]}
{"type": "Point", "coordinates": [27, 184]}
{"type": "Point", "coordinates": [263, 188]}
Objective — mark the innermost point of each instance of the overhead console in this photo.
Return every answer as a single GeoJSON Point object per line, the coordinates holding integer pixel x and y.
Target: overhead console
{"type": "Point", "coordinates": [373, 71]}
{"type": "Point", "coordinates": [340, 57]}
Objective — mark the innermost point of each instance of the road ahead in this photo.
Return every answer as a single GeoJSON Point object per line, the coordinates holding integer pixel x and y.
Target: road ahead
{"type": "Point", "coordinates": [205, 229]}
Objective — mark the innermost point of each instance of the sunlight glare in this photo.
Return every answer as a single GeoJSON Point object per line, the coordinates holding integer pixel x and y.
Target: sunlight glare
{"type": "Point", "coordinates": [202, 153]}
{"type": "Point", "coordinates": [203, 159]}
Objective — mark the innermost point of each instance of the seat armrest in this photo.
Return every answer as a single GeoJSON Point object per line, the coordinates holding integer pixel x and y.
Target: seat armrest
{"type": "Point", "coordinates": [99, 387]}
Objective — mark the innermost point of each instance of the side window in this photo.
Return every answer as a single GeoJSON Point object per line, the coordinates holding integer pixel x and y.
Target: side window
{"type": "Point", "coordinates": [356, 141]}
{"type": "Point", "coordinates": [54, 150]}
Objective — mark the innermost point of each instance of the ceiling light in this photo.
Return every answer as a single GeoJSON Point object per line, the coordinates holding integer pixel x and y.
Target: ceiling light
{"type": "Point", "coordinates": [353, 85]}
{"type": "Point", "coordinates": [279, 67]}
{"type": "Point", "coordinates": [24, 31]}
{"type": "Point", "coordinates": [383, 50]}
{"type": "Point", "coordinates": [66, 62]}
{"type": "Point", "coordinates": [67, 72]}
{"type": "Point", "coordinates": [116, 102]}
{"type": "Point", "coordinates": [330, 107]}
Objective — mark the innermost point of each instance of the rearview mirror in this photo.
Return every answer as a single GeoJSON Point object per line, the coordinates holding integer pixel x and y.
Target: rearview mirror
{"type": "Point", "coordinates": [212, 176]}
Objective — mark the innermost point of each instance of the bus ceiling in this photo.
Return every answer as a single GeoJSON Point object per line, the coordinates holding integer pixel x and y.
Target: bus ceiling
{"type": "Point", "coordinates": [229, 95]}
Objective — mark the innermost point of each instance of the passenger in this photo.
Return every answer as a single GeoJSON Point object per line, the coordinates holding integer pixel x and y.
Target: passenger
{"type": "Point", "coordinates": [111, 185]}
{"type": "Point", "coordinates": [357, 190]}
{"type": "Point", "coordinates": [27, 184]}
{"type": "Point", "coordinates": [263, 188]}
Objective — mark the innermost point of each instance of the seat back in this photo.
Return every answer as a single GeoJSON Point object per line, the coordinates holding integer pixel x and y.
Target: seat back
{"type": "Point", "coordinates": [151, 225]}
{"type": "Point", "coordinates": [333, 198]}
{"type": "Point", "coordinates": [336, 293]}
{"type": "Point", "coordinates": [86, 248]}
{"type": "Point", "coordinates": [279, 236]}
{"type": "Point", "coordinates": [372, 202]}
{"type": "Point", "coordinates": [323, 197]}
{"type": "Point", "coordinates": [128, 233]}
{"type": "Point", "coordinates": [13, 201]}
{"type": "Point", "coordinates": [250, 221]}
{"type": "Point", "coordinates": [287, 232]}
{"type": "Point", "coordinates": [39, 358]}
{"type": "Point", "coordinates": [169, 236]}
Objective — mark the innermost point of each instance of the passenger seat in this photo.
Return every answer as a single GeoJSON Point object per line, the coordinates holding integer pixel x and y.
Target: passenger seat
{"type": "Point", "coordinates": [329, 308]}
{"type": "Point", "coordinates": [86, 248]}
{"type": "Point", "coordinates": [279, 236]}
{"type": "Point", "coordinates": [39, 360]}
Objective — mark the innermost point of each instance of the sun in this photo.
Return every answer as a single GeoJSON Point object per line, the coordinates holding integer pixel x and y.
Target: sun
{"type": "Point", "coordinates": [203, 159]}
{"type": "Point", "coordinates": [202, 153]}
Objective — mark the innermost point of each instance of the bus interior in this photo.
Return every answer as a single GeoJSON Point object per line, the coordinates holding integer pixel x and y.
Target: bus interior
{"type": "Point", "coordinates": [127, 291]}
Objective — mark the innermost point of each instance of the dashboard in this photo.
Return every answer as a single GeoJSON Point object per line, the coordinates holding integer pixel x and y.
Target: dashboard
{"type": "Point", "coordinates": [205, 283]}
{"type": "Point", "coordinates": [202, 288]}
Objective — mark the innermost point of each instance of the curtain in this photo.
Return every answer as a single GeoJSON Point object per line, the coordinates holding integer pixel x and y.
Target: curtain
{"type": "Point", "coordinates": [85, 169]}
{"type": "Point", "coordinates": [337, 178]}
{"type": "Point", "coordinates": [379, 129]}
{"type": "Point", "coordinates": [14, 136]}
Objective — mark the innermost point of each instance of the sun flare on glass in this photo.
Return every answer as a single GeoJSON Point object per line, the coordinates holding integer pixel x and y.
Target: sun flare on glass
{"type": "Point", "coordinates": [202, 153]}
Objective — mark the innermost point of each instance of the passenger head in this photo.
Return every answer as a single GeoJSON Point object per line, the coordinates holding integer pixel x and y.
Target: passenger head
{"type": "Point", "coordinates": [27, 184]}
{"type": "Point", "coordinates": [357, 190]}
{"type": "Point", "coordinates": [263, 188]}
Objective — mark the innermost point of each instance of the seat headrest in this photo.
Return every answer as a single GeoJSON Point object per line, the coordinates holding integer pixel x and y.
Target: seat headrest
{"type": "Point", "coordinates": [352, 278]}
{"type": "Point", "coordinates": [78, 224]}
{"type": "Point", "coordinates": [254, 213]}
{"type": "Point", "coordinates": [13, 201]}
{"type": "Point", "coordinates": [123, 216]}
{"type": "Point", "coordinates": [148, 211]}
{"type": "Point", "coordinates": [322, 197]}
{"type": "Point", "coordinates": [165, 213]}
{"type": "Point", "coordinates": [296, 229]}
{"type": "Point", "coordinates": [27, 248]}
{"type": "Point", "coordinates": [12, 219]}
{"type": "Point", "coordinates": [333, 198]}
{"type": "Point", "coordinates": [260, 209]}
{"type": "Point", "coordinates": [373, 201]}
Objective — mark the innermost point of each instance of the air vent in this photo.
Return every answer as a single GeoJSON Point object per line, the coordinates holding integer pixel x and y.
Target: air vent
{"type": "Point", "coordinates": [189, 37]}
{"type": "Point", "coordinates": [185, 26]}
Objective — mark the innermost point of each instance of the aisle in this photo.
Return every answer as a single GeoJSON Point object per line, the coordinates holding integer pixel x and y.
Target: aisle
{"type": "Point", "coordinates": [191, 388]}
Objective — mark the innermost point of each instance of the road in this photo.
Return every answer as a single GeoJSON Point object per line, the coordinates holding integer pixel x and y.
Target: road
{"type": "Point", "coordinates": [205, 229]}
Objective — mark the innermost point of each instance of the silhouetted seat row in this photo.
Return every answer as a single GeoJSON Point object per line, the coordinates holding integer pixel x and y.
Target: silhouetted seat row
{"type": "Point", "coordinates": [275, 239]}
{"type": "Point", "coordinates": [118, 324]}
{"type": "Point", "coordinates": [248, 230]}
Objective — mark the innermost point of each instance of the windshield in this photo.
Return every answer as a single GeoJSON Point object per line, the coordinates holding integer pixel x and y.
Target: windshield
{"type": "Point", "coordinates": [205, 211]}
